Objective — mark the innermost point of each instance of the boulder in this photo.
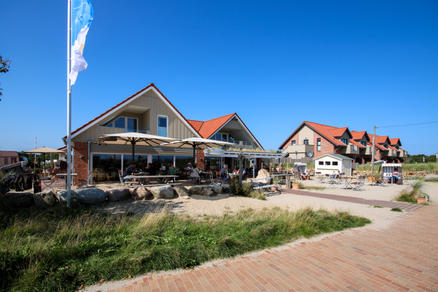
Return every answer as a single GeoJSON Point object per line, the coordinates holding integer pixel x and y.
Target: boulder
{"type": "Point", "coordinates": [263, 176]}
{"type": "Point", "coordinates": [140, 193]}
{"type": "Point", "coordinates": [62, 196]}
{"type": "Point", "coordinates": [431, 177]}
{"type": "Point", "coordinates": [181, 191]}
{"type": "Point", "coordinates": [217, 188]}
{"type": "Point", "coordinates": [46, 198]}
{"type": "Point", "coordinates": [162, 192]}
{"type": "Point", "coordinates": [202, 190]}
{"type": "Point", "coordinates": [91, 196]}
{"type": "Point", "coordinates": [115, 195]}
{"type": "Point", "coordinates": [226, 188]}
{"type": "Point", "coordinates": [17, 200]}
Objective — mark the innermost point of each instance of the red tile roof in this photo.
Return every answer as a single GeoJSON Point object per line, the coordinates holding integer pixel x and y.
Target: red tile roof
{"type": "Point", "coordinates": [358, 135]}
{"type": "Point", "coordinates": [357, 143]}
{"type": "Point", "coordinates": [379, 139]}
{"type": "Point", "coordinates": [209, 127]}
{"type": "Point", "coordinates": [393, 148]}
{"type": "Point", "coordinates": [378, 146]}
{"type": "Point", "coordinates": [395, 141]}
{"type": "Point", "coordinates": [328, 132]}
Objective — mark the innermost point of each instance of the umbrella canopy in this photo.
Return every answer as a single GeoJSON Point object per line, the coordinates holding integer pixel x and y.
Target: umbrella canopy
{"type": "Point", "coordinates": [134, 138]}
{"type": "Point", "coordinates": [198, 143]}
{"type": "Point", "coordinates": [43, 150]}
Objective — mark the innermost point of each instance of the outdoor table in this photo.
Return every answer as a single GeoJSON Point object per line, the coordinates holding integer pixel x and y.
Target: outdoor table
{"type": "Point", "coordinates": [65, 175]}
{"type": "Point", "coordinates": [348, 183]}
{"type": "Point", "coordinates": [145, 177]}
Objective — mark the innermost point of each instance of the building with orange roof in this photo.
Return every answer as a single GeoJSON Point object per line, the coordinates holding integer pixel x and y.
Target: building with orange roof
{"type": "Point", "coordinates": [149, 111]}
{"type": "Point", "coordinates": [311, 140]}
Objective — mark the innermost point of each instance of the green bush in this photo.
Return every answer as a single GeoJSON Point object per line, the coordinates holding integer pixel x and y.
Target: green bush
{"type": "Point", "coordinates": [240, 190]}
{"type": "Point", "coordinates": [411, 195]}
{"type": "Point", "coordinates": [61, 249]}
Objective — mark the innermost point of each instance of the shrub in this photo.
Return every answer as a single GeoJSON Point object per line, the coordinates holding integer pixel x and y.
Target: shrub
{"type": "Point", "coordinates": [396, 210]}
{"type": "Point", "coordinates": [240, 190]}
{"type": "Point", "coordinates": [410, 196]}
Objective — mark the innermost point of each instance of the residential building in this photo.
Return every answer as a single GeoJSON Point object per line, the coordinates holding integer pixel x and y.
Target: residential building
{"type": "Point", "coordinates": [8, 157]}
{"type": "Point", "coordinates": [311, 140]}
{"type": "Point", "coordinates": [149, 111]}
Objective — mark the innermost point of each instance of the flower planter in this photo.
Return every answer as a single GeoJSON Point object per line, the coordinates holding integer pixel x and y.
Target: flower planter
{"type": "Point", "coordinates": [421, 200]}
{"type": "Point", "coordinates": [295, 186]}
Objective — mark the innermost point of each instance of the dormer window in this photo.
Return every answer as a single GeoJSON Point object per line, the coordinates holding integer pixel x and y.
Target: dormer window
{"type": "Point", "coordinates": [345, 141]}
{"type": "Point", "coordinates": [364, 143]}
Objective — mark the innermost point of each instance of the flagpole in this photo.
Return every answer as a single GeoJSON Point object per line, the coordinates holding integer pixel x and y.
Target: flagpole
{"type": "Point", "coordinates": [68, 103]}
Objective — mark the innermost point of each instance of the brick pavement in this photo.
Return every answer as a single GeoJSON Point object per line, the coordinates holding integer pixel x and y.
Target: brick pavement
{"type": "Point", "coordinates": [387, 204]}
{"type": "Point", "coordinates": [400, 258]}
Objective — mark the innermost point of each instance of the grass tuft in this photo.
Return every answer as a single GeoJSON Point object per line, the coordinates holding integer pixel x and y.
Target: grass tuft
{"type": "Point", "coordinates": [410, 196]}
{"type": "Point", "coordinates": [63, 249]}
{"type": "Point", "coordinates": [396, 210]}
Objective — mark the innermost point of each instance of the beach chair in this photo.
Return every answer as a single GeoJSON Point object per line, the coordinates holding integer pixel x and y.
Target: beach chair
{"type": "Point", "coordinates": [357, 186]}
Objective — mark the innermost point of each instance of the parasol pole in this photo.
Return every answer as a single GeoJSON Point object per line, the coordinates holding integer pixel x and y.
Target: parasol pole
{"type": "Point", "coordinates": [68, 181]}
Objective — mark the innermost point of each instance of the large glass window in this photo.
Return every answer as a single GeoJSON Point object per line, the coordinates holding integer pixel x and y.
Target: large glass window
{"type": "Point", "coordinates": [106, 167]}
{"type": "Point", "coordinates": [218, 137]}
{"type": "Point", "coordinates": [119, 123]}
{"type": "Point", "coordinates": [182, 161]}
{"type": "Point", "coordinates": [162, 126]}
{"type": "Point", "coordinates": [212, 163]}
{"type": "Point", "coordinates": [140, 161]}
{"type": "Point", "coordinates": [131, 125]}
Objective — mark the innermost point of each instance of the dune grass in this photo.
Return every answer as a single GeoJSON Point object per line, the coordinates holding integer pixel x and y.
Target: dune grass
{"type": "Point", "coordinates": [410, 196]}
{"type": "Point", "coordinates": [61, 249]}
{"type": "Point", "coordinates": [429, 167]}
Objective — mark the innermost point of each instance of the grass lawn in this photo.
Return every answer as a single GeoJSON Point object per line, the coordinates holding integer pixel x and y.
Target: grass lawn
{"type": "Point", "coordinates": [61, 249]}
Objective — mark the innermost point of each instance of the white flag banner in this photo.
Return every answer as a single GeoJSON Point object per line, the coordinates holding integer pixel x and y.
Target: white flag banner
{"type": "Point", "coordinates": [81, 18]}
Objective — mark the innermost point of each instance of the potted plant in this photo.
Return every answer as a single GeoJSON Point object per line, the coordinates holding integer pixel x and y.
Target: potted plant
{"type": "Point", "coordinates": [295, 185]}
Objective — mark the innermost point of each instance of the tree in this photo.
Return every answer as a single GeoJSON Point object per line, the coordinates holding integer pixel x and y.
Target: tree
{"type": "Point", "coordinates": [4, 68]}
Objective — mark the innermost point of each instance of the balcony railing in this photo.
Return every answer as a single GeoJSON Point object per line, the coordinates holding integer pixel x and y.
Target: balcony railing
{"type": "Point", "coordinates": [351, 149]}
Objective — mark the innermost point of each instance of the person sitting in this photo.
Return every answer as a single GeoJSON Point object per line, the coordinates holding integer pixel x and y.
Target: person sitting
{"type": "Point", "coordinates": [163, 168]}
{"type": "Point", "coordinates": [130, 169]}
{"type": "Point", "coordinates": [194, 175]}
{"type": "Point", "coordinates": [395, 176]}
{"type": "Point", "coordinates": [224, 172]}
{"type": "Point", "coordinates": [171, 169]}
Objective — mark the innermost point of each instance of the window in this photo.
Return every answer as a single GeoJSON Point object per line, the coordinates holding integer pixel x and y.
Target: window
{"type": "Point", "coordinates": [334, 163]}
{"type": "Point", "coordinates": [318, 144]}
{"type": "Point", "coordinates": [119, 123]}
{"type": "Point", "coordinates": [294, 142]}
{"type": "Point", "coordinates": [224, 137]}
{"type": "Point", "coordinates": [306, 142]}
{"type": "Point", "coordinates": [345, 141]}
{"type": "Point", "coordinates": [128, 124]}
{"type": "Point", "coordinates": [162, 126]}
{"type": "Point", "coordinates": [218, 137]}
{"type": "Point", "coordinates": [364, 143]}
{"type": "Point", "coordinates": [327, 163]}
{"type": "Point", "coordinates": [131, 125]}
{"type": "Point", "coordinates": [321, 162]}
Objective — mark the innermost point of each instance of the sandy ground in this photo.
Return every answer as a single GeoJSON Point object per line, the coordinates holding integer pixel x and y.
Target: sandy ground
{"type": "Point", "coordinates": [217, 205]}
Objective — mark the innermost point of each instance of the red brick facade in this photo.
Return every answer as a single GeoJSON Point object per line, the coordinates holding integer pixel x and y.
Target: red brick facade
{"type": "Point", "coordinates": [80, 162]}
{"type": "Point", "coordinates": [326, 146]}
{"type": "Point", "coordinates": [200, 159]}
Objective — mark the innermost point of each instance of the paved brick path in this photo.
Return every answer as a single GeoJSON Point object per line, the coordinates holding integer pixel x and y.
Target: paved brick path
{"type": "Point", "coordinates": [400, 258]}
{"type": "Point", "coordinates": [388, 204]}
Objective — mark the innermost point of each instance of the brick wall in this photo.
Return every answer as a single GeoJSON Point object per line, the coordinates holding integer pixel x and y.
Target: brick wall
{"type": "Point", "coordinates": [200, 159]}
{"type": "Point", "coordinates": [326, 146]}
{"type": "Point", "coordinates": [80, 162]}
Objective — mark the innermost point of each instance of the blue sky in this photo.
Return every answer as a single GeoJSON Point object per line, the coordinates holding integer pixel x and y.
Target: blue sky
{"type": "Point", "coordinates": [276, 63]}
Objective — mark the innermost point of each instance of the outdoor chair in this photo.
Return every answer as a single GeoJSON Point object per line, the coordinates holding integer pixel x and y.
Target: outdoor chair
{"type": "Point", "coordinates": [357, 185]}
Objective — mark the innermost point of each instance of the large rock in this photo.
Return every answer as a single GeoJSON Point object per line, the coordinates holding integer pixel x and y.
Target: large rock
{"type": "Point", "coordinates": [162, 192]}
{"type": "Point", "coordinates": [115, 195]}
{"type": "Point", "coordinates": [181, 191]}
{"type": "Point", "coordinates": [263, 176]}
{"type": "Point", "coordinates": [217, 188]}
{"type": "Point", "coordinates": [91, 196]}
{"type": "Point", "coordinates": [431, 177]}
{"type": "Point", "coordinates": [17, 200]}
{"type": "Point", "coordinates": [45, 199]}
{"type": "Point", "coordinates": [202, 190]}
{"type": "Point", "coordinates": [62, 196]}
{"type": "Point", "coordinates": [141, 193]}
{"type": "Point", "coordinates": [226, 188]}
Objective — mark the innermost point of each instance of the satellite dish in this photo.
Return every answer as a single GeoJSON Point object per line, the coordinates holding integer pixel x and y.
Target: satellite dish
{"type": "Point", "coordinates": [310, 153]}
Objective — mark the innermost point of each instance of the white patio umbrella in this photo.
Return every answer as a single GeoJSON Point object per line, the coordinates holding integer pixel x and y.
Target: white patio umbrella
{"type": "Point", "coordinates": [43, 150]}
{"type": "Point", "coordinates": [134, 139]}
{"type": "Point", "coordinates": [197, 143]}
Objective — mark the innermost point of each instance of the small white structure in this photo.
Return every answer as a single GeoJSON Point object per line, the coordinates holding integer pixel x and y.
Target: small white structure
{"type": "Point", "coordinates": [333, 164]}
